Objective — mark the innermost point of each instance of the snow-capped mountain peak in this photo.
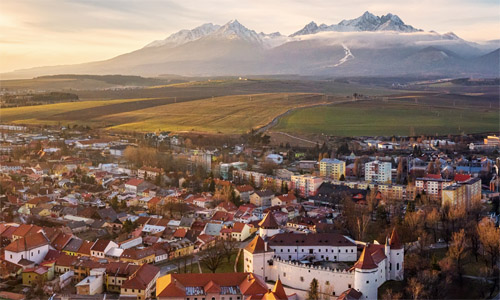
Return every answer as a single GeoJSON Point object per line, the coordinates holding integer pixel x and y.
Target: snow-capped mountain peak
{"type": "Point", "coordinates": [235, 30]}
{"type": "Point", "coordinates": [366, 22]}
{"type": "Point", "coordinates": [186, 35]}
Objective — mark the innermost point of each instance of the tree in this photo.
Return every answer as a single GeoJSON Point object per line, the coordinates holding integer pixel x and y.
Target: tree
{"type": "Point", "coordinates": [458, 250]}
{"type": "Point", "coordinates": [313, 292]}
{"type": "Point", "coordinates": [415, 288]}
{"type": "Point", "coordinates": [114, 203]}
{"type": "Point", "coordinates": [211, 187]}
{"type": "Point", "coordinates": [212, 258]}
{"type": "Point", "coordinates": [489, 235]}
{"type": "Point", "coordinates": [228, 247]}
{"type": "Point", "coordinates": [357, 168]}
{"type": "Point", "coordinates": [400, 171]}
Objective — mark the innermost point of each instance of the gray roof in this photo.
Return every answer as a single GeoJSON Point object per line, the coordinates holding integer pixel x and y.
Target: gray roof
{"type": "Point", "coordinates": [73, 245]}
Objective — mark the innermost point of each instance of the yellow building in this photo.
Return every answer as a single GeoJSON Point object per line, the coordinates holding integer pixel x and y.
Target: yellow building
{"type": "Point", "coordinates": [138, 256]}
{"type": "Point", "coordinates": [332, 168]}
{"type": "Point", "coordinates": [142, 282]}
{"type": "Point", "coordinates": [181, 248]}
{"type": "Point", "coordinates": [38, 275]}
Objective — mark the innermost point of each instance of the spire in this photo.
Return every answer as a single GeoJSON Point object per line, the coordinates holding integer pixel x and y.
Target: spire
{"type": "Point", "coordinates": [279, 290]}
{"type": "Point", "coordinates": [269, 222]}
{"type": "Point", "coordinates": [365, 261]}
{"type": "Point", "coordinates": [394, 241]}
{"type": "Point", "coordinates": [257, 245]}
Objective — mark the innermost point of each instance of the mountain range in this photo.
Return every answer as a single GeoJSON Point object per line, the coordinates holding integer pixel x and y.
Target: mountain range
{"type": "Point", "coordinates": [365, 46]}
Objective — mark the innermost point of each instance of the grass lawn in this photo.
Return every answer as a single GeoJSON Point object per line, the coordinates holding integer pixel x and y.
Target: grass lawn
{"type": "Point", "coordinates": [225, 267]}
{"type": "Point", "coordinates": [373, 118]}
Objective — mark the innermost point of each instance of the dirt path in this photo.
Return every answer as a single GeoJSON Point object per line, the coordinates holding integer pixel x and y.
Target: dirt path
{"type": "Point", "coordinates": [274, 122]}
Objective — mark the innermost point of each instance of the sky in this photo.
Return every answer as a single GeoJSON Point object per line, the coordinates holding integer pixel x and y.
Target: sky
{"type": "Point", "coordinates": [57, 32]}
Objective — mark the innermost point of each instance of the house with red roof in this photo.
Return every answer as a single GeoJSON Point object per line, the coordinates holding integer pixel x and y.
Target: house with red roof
{"type": "Point", "coordinates": [142, 283]}
{"type": "Point", "coordinates": [32, 247]}
{"type": "Point", "coordinates": [215, 286]}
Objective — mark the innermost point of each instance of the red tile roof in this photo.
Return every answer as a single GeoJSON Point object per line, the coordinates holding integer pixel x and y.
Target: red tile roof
{"type": "Point", "coordinates": [394, 241]}
{"type": "Point", "coordinates": [365, 261]}
{"type": "Point", "coordinates": [245, 188]}
{"type": "Point", "coordinates": [269, 221]}
{"type": "Point", "coordinates": [27, 243]}
{"type": "Point", "coordinates": [134, 182]}
{"type": "Point", "coordinates": [142, 277]}
{"type": "Point", "coordinates": [25, 229]}
{"type": "Point", "coordinates": [461, 177]}
{"type": "Point", "coordinates": [350, 294]}
{"type": "Point", "coordinates": [257, 245]}
{"type": "Point", "coordinates": [100, 245]}
{"type": "Point", "coordinates": [174, 285]}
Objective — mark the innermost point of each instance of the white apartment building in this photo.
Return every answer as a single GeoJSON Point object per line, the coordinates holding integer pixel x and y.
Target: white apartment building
{"type": "Point", "coordinates": [378, 171]}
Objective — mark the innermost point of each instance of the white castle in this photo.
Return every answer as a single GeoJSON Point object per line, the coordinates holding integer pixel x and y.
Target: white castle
{"type": "Point", "coordinates": [296, 259]}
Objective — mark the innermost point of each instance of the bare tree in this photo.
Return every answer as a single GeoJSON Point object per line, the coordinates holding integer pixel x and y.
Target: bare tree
{"type": "Point", "coordinates": [458, 250]}
{"type": "Point", "coordinates": [489, 235]}
{"type": "Point", "coordinates": [212, 258]}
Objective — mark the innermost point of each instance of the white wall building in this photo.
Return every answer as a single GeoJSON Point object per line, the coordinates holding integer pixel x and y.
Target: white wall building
{"type": "Point", "coordinates": [378, 171]}
{"type": "Point", "coordinates": [284, 257]}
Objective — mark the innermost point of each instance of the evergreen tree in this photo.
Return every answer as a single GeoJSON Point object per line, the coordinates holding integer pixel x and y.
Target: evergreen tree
{"type": "Point", "coordinates": [313, 292]}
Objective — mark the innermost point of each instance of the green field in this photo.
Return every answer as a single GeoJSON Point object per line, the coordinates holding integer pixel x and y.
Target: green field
{"type": "Point", "coordinates": [393, 117]}
{"type": "Point", "coordinates": [228, 114]}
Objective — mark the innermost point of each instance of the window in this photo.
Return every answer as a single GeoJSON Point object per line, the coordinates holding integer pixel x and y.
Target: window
{"type": "Point", "coordinates": [348, 286]}
{"type": "Point", "coordinates": [284, 274]}
{"type": "Point", "coordinates": [397, 266]}
{"type": "Point", "coordinates": [352, 250]}
{"type": "Point", "coordinates": [327, 282]}
{"type": "Point", "coordinates": [368, 281]}
{"type": "Point", "coordinates": [281, 250]}
{"type": "Point", "coordinates": [39, 251]}
{"type": "Point", "coordinates": [301, 278]}
{"type": "Point", "coordinates": [288, 250]}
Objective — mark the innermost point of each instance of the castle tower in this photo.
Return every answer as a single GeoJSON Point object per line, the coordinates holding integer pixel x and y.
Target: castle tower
{"type": "Point", "coordinates": [256, 256]}
{"type": "Point", "coordinates": [387, 252]}
{"type": "Point", "coordinates": [365, 275]}
{"type": "Point", "coordinates": [268, 226]}
{"type": "Point", "coordinates": [396, 257]}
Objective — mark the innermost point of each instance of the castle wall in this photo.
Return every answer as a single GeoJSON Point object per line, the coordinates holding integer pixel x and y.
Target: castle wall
{"type": "Point", "coordinates": [299, 276]}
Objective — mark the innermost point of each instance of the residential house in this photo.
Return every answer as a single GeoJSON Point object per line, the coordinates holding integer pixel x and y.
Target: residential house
{"type": "Point", "coordinates": [101, 247]}
{"type": "Point", "coordinates": [262, 197]}
{"type": "Point", "coordinates": [142, 283]}
{"type": "Point", "coordinates": [33, 247]}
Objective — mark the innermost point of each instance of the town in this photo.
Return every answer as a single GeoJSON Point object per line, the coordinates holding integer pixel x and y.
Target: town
{"type": "Point", "coordinates": [88, 214]}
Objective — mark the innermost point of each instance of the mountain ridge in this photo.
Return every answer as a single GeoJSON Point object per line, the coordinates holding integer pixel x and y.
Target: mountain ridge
{"type": "Point", "coordinates": [375, 45]}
